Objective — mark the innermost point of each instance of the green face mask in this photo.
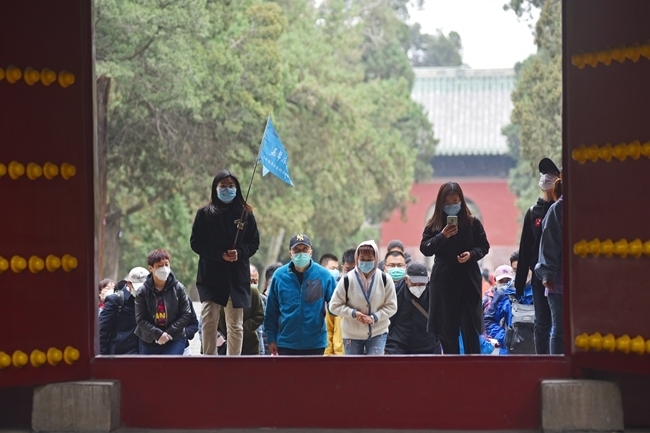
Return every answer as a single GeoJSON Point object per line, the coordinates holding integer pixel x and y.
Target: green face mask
{"type": "Point", "coordinates": [397, 273]}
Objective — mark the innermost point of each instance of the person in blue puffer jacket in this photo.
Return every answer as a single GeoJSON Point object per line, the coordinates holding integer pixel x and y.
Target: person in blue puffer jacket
{"type": "Point", "coordinates": [498, 316]}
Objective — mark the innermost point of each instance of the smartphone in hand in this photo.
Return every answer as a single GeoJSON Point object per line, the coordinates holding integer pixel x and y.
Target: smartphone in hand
{"type": "Point", "coordinates": [452, 220]}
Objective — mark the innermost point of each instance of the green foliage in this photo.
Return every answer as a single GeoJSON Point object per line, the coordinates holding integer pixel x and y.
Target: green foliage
{"type": "Point", "coordinates": [523, 7]}
{"type": "Point", "coordinates": [165, 225]}
{"type": "Point", "coordinates": [193, 82]}
{"type": "Point", "coordinates": [536, 130]}
{"type": "Point", "coordinates": [434, 50]}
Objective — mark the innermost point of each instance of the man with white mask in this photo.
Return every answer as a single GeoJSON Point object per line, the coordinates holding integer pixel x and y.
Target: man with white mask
{"type": "Point", "coordinates": [529, 253]}
{"type": "Point", "coordinates": [117, 319]}
{"type": "Point", "coordinates": [162, 309]}
{"type": "Point", "coordinates": [407, 334]}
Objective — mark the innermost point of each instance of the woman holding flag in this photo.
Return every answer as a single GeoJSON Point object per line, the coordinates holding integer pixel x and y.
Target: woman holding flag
{"type": "Point", "coordinates": [225, 236]}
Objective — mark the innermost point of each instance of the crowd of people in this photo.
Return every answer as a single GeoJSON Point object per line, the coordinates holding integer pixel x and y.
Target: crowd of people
{"type": "Point", "coordinates": [365, 305]}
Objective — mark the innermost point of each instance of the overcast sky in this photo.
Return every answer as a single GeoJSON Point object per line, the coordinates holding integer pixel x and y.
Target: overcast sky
{"type": "Point", "coordinates": [492, 38]}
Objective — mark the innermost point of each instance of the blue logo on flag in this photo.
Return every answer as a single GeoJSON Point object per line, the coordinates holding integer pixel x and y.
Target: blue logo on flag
{"type": "Point", "coordinates": [273, 156]}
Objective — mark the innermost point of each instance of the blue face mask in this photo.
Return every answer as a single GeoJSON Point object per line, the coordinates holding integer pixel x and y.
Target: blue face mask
{"type": "Point", "coordinates": [227, 195]}
{"type": "Point", "coordinates": [397, 273]}
{"type": "Point", "coordinates": [301, 260]}
{"type": "Point", "coordinates": [452, 209]}
{"type": "Point", "coordinates": [366, 267]}
{"type": "Point", "coordinates": [335, 273]}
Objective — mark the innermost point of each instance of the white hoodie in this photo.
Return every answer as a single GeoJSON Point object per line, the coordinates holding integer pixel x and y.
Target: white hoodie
{"type": "Point", "coordinates": [380, 303]}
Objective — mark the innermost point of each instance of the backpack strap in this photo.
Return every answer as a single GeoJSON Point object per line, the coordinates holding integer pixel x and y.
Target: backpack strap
{"type": "Point", "coordinates": [346, 284]}
{"type": "Point", "coordinates": [420, 309]}
{"type": "Point", "coordinates": [120, 302]}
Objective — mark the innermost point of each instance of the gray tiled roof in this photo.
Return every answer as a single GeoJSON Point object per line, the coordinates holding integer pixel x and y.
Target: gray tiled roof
{"type": "Point", "coordinates": [468, 107]}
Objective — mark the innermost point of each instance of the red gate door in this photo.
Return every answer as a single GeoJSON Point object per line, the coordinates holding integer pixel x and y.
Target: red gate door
{"type": "Point", "coordinates": [607, 209]}
{"type": "Point", "coordinates": [48, 307]}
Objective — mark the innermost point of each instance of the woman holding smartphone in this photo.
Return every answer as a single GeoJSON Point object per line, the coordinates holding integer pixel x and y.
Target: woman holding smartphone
{"type": "Point", "coordinates": [458, 241]}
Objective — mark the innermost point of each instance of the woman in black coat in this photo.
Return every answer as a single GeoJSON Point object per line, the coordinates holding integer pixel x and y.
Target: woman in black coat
{"type": "Point", "coordinates": [455, 281]}
{"type": "Point", "coordinates": [223, 277]}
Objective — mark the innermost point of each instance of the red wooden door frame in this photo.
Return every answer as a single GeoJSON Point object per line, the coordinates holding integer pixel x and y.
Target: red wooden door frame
{"type": "Point", "coordinates": [388, 392]}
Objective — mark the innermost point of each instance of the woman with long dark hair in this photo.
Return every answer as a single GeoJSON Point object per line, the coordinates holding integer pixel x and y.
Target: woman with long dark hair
{"type": "Point", "coordinates": [223, 277]}
{"type": "Point", "coordinates": [458, 243]}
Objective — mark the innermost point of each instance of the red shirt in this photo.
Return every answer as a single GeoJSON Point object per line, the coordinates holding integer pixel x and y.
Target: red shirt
{"type": "Point", "coordinates": [161, 311]}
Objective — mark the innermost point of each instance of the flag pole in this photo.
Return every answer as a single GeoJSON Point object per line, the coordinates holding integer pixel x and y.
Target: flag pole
{"type": "Point", "coordinates": [240, 223]}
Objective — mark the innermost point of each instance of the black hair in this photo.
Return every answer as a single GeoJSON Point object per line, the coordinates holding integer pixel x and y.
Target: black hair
{"type": "Point", "coordinates": [514, 257]}
{"type": "Point", "coordinates": [105, 282]}
{"type": "Point", "coordinates": [157, 255]}
{"type": "Point", "coordinates": [394, 254]}
{"type": "Point", "coordinates": [270, 270]}
{"type": "Point", "coordinates": [438, 221]}
{"type": "Point", "coordinates": [326, 258]}
{"type": "Point", "coordinates": [120, 285]}
{"type": "Point", "coordinates": [395, 244]}
{"type": "Point", "coordinates": [216, 206]}
{"type": "Point", "coordinates": [348, 255]}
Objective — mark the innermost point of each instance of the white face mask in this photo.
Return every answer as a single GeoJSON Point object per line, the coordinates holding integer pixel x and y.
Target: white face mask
{"type": "Point", "coordinates": [254, 286]}
{"type": "Point", "coordinates": [162, 273]}
{"type": "Point", "coordinates": [417, 290]}
{"type": "Point", "coordinates": [547, 181]}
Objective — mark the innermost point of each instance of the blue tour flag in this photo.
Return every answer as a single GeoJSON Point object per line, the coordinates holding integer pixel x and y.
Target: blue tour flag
{"type": "Point", "coordinates": [273, 156]}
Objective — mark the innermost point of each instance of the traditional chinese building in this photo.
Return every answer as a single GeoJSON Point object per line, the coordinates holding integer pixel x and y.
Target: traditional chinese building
{"type": "Point", "coordinates": [468, 108]}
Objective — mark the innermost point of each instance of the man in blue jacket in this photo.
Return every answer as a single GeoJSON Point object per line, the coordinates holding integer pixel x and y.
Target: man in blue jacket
{"type": "Point", "coordinates": [295, 308]}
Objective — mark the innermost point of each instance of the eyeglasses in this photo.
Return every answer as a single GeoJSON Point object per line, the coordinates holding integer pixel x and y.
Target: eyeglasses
{"type": "Point", "coordinates": [395, 265]}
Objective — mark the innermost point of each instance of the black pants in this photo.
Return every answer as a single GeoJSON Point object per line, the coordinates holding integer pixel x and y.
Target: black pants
{"type": "Point", "coordinates": [294, 352]}
{"type": "Point", "coordinates": [542, 328]}
{"type": "Point", "coordinates": [471, 345]}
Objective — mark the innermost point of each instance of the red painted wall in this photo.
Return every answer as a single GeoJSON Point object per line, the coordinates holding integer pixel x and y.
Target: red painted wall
{"type": "Point", "coordinates": [466, 393]}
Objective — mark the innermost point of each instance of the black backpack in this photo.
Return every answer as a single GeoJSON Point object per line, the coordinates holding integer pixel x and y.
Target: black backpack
{"type": "Point", "coordinates": [120, 305]}
{"type": "Point", "coordinates": [520, 338]}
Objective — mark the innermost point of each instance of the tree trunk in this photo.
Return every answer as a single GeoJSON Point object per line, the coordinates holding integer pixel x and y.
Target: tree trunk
{"type": "Point", "coordinates": [113, 235]}
{"type": "Point", "coordinates": [103, 89]}
{"type": "Point", "coordinates": [274, 248]}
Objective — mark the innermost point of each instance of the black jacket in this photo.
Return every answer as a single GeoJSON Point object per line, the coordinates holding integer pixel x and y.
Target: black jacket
{"type": "Point", "coordinates": [177, 305]}
{"type": "Point", "coordinates": [407, 334]}
{"type": "Point", "coordinates": [529, 243]}
{"type": "Point", "coordinates": [455, 285]}
{"type": "Point", "coordinates": [117, 324]}
{"type": "Point", "coordinates": [216, 278]}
